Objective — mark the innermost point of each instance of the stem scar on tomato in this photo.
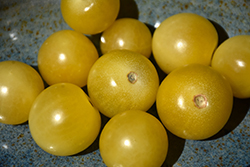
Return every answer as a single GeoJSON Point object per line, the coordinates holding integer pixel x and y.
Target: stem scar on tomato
{"type": "Point", "coordinates": [132, 77]}
{"type": "Point", "coordinates": [200, 101]}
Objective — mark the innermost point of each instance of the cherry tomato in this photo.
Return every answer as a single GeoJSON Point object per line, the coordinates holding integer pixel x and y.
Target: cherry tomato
{"type": "Point", "coordinates": [182, 39]}
{"type": "Point", "coordinates": [20, 84]}
{"type": "Point", "coordinates": [194, 102]}
{"type": "Point", "coordinates": [127, 33]}
{"type": "Point", "coordinates": [232, 59]}
{"type": "Point", "coordinates": [66, 56]}
{"type": "Point", "coordinates": [91, 16]}
{"type": "Point", "coordinates": [121, 80]}
{"type": "Point", "coordinates": [133, 138]}
{"type": "Point", "coordinates": [62, 120]}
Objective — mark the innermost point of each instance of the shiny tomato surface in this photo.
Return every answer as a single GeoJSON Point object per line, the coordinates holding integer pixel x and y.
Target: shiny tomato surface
{"type": "Point", "coordinates": [194, 102]}
{"type": "Point", "coordinates": [133, 138]}
{"type": "Point", "coordinates": [90, 16]}
{"type": "Point", "coordinates": [127, 33]}
{"type": "Point", "coordinates": [20, 84]}
{"type": "Point", "coordinates": [182, 39]}
{"type": "Point", "coordinates": [122, 80]}
{"type": "Point", "coordinates": [232, 60]}
{"type": "Point", "coordinates": [62, 120]}
{"type": "Point", "coordinates": [66, 56]}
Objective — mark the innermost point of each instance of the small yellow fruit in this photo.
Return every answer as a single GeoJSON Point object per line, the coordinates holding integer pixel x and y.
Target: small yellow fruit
{"type": "Point", "coordinates": [194, 102]}
{"type": "Point", "coordinates": [122, 80]}
{"type": "Point", "coordinates": [127, 33]}
{"type": "Point", "coordinates": [182, 39]}
{"type": "Point", "coordinates": [91, 16]}
{"type": "Point", "coordinates": [232, 60]}
{"type": "Point", "coordinates": [20, 84]}
{"type": "Point", "coordinates": [66, 56]}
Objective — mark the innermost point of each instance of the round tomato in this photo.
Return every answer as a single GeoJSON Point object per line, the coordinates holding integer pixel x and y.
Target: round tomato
{"type": "Point", "coordinates": [194, 102]}
{"type": "Point", "coordinates": [20, 84]}
{"type": "Point", "coordinates": [133, 138]}
{"type": "Point", "coordinates": [127, 33]}
{"type": "Point", "coordinates": [91, 16]}
{"type": "Point", "coordinates": [66, 56]}
{"type": "Point", "coordinates": [62, 120]}
{"type": "Point", "coordinates": [182, 39]}
{"type": "Point", "coordinates": [122, 80]}
{"type": "Point", "coordinates": [232, 59]}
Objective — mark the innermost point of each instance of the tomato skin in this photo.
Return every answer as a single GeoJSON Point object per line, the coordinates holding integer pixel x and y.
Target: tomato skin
{"type": "Point", "coordinates": [111, 86]}
{"type": "Point", "coordinates": [66, 56]}
{"type": "Point", "coordinates": [127, 33]}
{"type": "Point", "coordinates": [183, 39]}
{"type": "Point", "coordinates": [194, 102]}
{"type": "Point", "coordinates": [232, 60]}
{"type": "Point", "coordinates": [90, 16]}
{"type": "Point", "coordinates": [133, 138]}
{"type": "Point", "coordinates": [62, 120]}
{"type": "Point", "coordinates": [20, 84]}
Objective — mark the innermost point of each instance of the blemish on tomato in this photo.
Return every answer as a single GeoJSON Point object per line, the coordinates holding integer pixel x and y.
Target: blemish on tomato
{"type": "Point", "coordinates": [200, 101]}
{"type": "Point", "coordinates": [132, 77]}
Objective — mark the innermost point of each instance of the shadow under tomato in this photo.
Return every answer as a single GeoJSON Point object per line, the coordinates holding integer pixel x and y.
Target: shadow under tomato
{"type": "Point", "coordinates": [161, 74]}
{"type": "Point", "coordinates": [22, 124]}
{"type": "Point", "coordinates": [175, 144]}
{"type": "Point", "coordinates": [128, 9]}
{"type": "Point", "coordinates": [85, 89]}
{"type": "Point", "coordinates": [95, 39]}
{"type": "Point", "coordinates": [175, 149]}
{"type": "Point", "coordinates": [222, 33]}
{"type": "Point", "coordinates": [95, 145]}
{"type": "Point", "coordinates": [239, 111]}
{"type": "Point", "coordinates": [151, 28]}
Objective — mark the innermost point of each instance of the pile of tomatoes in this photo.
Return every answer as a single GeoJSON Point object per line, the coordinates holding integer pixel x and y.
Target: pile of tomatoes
{"type": "Point", "coordinates": [194, 100]}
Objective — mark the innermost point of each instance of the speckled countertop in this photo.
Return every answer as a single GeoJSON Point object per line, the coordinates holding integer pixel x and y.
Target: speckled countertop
{"type": "Point", "coordinates": [25, 24]}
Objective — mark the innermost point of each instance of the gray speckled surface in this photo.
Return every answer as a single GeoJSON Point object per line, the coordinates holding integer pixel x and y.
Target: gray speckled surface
{"type": "Point", "coordinates": [25, 24]}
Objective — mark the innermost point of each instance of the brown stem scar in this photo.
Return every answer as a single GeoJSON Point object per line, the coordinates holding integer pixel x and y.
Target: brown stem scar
{"type": "Point", "coordinates": [200, 101]}
{"type": "Point", "coordinates": [132, 77]}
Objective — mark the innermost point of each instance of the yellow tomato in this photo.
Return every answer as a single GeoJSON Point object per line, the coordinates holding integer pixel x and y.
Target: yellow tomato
{"type": "Point", "coordinates": [90, 16]}
{"type": "Point", "coordinates": [122, 80]}
{"type": "Point", "coordinates": [62, 120]}
{"type": "Point", "coordinates": [182, 39]}
{"type": "Point", "coordinates": [194, 102]}
{"type": "Point", "coordinates": [20, 84]}
{"type": "Point", "coordinates": [127, 33]}
{"type": "Point", "coordinates": [232, 59]}
{"type": "Point", "coordinates": [66, 56]}
{"type": "Point", "coordinates": [133, 138]}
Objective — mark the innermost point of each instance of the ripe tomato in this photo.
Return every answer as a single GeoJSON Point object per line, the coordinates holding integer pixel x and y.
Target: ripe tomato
{"type": "Point", "coordinates": [90, 17]}
{"type": "Point", "coordinates": [62, 120]}
{"type": "Point", "coordinates": [182, 39]}
{"type": "Point", "coordinates": [20, 84]}
{"type": "Point", "coordinates": [232, 59]}
{"type": "Point", "coordinates": [127, 33]}
{"type": "Point", "coordinates": [133, 138]}
{"type": "Point", "coordinates": [121, 80]}
{"type": "Point", "coordinates": [194, 102]}
{"type": "Point", "coordinates": [66, 56]}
